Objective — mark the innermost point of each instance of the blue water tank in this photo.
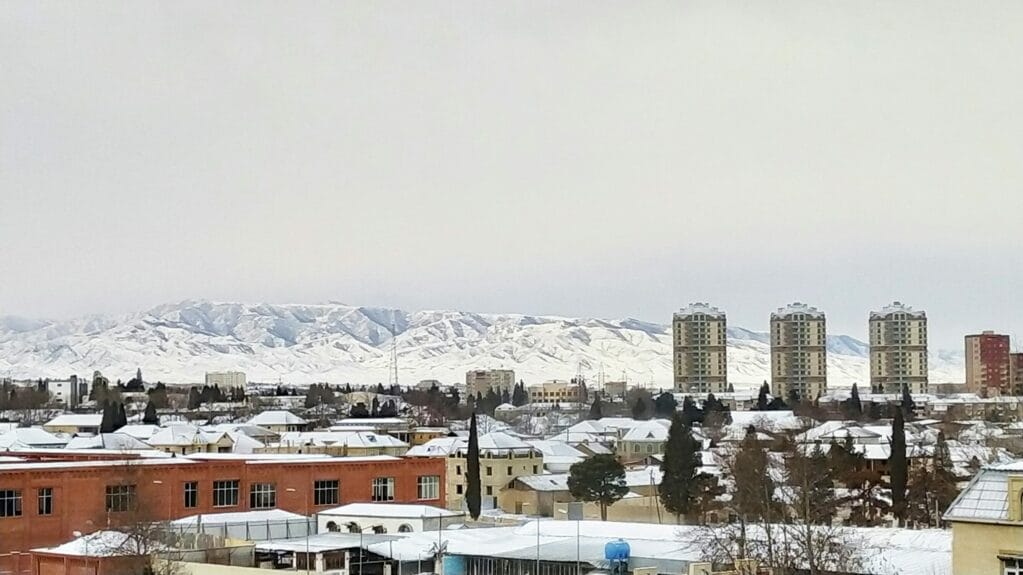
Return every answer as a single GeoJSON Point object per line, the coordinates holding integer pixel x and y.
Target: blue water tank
{"type": "Point", "coordinates": [617, 550]}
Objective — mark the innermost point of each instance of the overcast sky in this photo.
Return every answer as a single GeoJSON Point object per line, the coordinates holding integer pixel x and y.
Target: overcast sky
{"type": "Point", "coordinates": [579, 158]}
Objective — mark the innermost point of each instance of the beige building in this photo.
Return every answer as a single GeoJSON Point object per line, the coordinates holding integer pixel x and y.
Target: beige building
{"type": "Point", "coordinates": [503, 458]}
{"type": "Point", "coordinates": [226, 379]}
{"type": "Point", "coordinates": [799, 360]}
{"type": "Point", "coordinates": [555, 391]}
{"type": "Point", "coordinates": [987, 523]}
{"type": "Point", "coordinates": [480, 381]}
{"type": "Point", "coordinates": [898, 349]}
{"type": "Point", "coordinates": [700, 355]}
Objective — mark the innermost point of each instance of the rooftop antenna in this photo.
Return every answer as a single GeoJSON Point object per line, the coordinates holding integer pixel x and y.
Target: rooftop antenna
{"type": "Point", "coordinates": [392, 374]}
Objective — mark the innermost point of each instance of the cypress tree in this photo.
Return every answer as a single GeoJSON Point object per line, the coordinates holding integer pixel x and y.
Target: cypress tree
{"type": "Point", "coordinates": [150, 417]}
{"type": "Point", "coordinates": [107, 424]}
{"type": "Point", "coordinates": [597, 409]}
{"type": "Point", "coordinates": [763, 404]}
{"type": "Point", "coordinates": [680, 468]}
{"type": "Point", "coordinates": [472, 472]}
{"type": "Point", "coordinates": [898, 468]}
{"type": "Point", "coordinates": [121, 418]}
{"type": "Point", "coordinates": [908, 407]}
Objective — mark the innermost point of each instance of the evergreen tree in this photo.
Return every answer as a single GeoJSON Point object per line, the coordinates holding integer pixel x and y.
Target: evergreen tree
{"type": "Point", "coordinates": [473, 498]}
{"type": "Point", "coordinates": [519, 395]}
{"type": "Point", "coordinates": [375, 411]}
{"type": "Point", "coordinates": [639, 410]}
{"type": "Point", "coordinates": [109, 422]}
{"type": "Point", "coordinates": [680, 468]}
{"type": "Point", "coordinates": [762, 401]}
{"type": "Point", "coordinates": [122, 417]}
{"type": "Point", "coordinates": [908, 407]}
{"type": "Point", "coordinates": [150, 417]}
{"type": "Point", "coordinates": [731, 388]}
{"type": "Point", "coordinates": [599, 479]}
{"type": "Point", "coordinates": [505, 397]}
{"type": "Point", "coordinates": [194, 399]}
{"type": "Point", "coordinates": [690, 412]}
{"type": "Point", "coordinates": [898, 466]}
{"type": "Point", "coordinates": [665, 405]}
{"type": "Point", "coordinates": [359, 411]}
{"type": "Point", "coordinates": [597, 409]}
{"type": "Point", "coordinates": [853, 407]}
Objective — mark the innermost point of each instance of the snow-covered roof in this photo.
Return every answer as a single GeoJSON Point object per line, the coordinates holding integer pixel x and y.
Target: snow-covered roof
{"type": "Point", "coordinates": [653, 430]}
{"type": "Point", "coordinates": [494, 442]}
{"type": "Point", "coordinates": [797, 308]}
{"type": "Point", "coordinates": [115, 441]}
{"type": "Point", "coordinates": [897, 307]}
{"type": "Point", "coordinates": [141, 431]}
{"type": "Point", "coordinates": [98, 544]}
{"type": "Point", "coordinates": [554, 448]}
{"type": "Point", "coordinates": [352, 439]}
{"type": "Point", "coordinates": [76, 420]}
{"type": "Point", "coordinates": [184, 435]}
{"type": "Point", "coordinates": [276, 417]}
{"type": "Point", "coordinates": [33, 436]}
{"type": "Point", "coordinates": [370, 422]}
{"type": "Point", "coordinates": [259, 516]}
{"type": "Point", "coordinates": [394, 510]}
{"type": "Point", "coordinates": [986, 497]}
{"type": "Point", "coordinates": [700, 308]}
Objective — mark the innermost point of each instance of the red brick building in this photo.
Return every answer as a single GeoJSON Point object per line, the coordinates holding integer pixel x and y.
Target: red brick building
{"type": "Point", "coordinates": [42, 503]}
{"type": "Point", "coordinates": [988, 364]}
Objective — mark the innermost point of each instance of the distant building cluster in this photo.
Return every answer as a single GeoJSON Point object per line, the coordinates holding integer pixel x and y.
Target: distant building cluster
{"type": "Point", "coordinates": [799, 353]}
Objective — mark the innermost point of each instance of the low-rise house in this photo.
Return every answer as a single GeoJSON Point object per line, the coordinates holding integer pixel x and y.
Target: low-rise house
{"type": "Point", "coordinates": [645, 438]}
{"type": "Point", "coordinates": [280, 421]}
{"type": "Point", "coordinates": [987, 522]}
{"type": "Point", "coordinates": [503, 458]}
{"type": "Point", "coordinates": [75, 423]}
{"type": "Point", "coordinates": [184, 439]}
{"type": "Point", "coordinates": [337, 443]}
{"type": "Point", "coordinates": [32, 437]}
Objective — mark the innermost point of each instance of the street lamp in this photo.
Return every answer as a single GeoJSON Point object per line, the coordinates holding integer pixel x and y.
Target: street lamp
{"type": "Point", "coordinates": [293, 490]}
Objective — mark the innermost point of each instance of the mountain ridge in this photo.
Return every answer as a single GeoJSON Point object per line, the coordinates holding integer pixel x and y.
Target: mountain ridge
{"type": "Point", "coordinates": [305, 343]}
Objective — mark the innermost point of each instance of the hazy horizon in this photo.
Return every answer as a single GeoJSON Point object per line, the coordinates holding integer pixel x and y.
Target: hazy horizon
{"type": "Point", "coordinates": [584, 159]}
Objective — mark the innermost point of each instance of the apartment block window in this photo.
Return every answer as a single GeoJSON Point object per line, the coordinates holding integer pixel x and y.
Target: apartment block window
{"type": "Point", "coordinates": [45, 501]}
{"type": "Point", "coordinates": [490, 470]}
{"type": "Point", "coordinates": [10, 503]}
{"type": "Point", "coordinates": [459, 489]}
{"type": "Point", "coordinates": [225, 493]}
{"type": "Point", "coordinates": [326, 492]}
{"type": "Point", "coordinates": [120, 498]}
{"type": "Point", "coordinates": [262, 496]}
{"type": "Point", "coordinates": [383, 489]}
{"type": "Point", "coordinates": [428, 487]}
{"type": "Point", "coordinates": [490, 490]}
{"type": "Point", "coordinates": [191, 494]}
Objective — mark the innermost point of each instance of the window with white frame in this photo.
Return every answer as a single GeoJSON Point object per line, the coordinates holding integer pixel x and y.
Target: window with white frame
{"type": "Point", "coordinates": [225, 493]}
{"type": "Point", "coordinates": [10, 503]}
{"type": "Point", "coordinates": [383, 489]}
{"type": "Point", "coordinates": [1012, 566]}
{"type": "Point", "coordinates": [262, 496]}
{"type": "Point", "coordinates": [428, 487]}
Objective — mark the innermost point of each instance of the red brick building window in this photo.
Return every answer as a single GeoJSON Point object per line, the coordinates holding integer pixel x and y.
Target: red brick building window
{"type": "Point", "coordinates": [191, 494]}
{"type": "Point", "coordinates": [225, 493]}
{"type": "Point", "coordinates": [262, 496]}
{"type": "Point", "coordinates": [383, 489]}
{"type": "Point", "coordinates": [120, 498]}
{"type": "Point", "coordinates": [326, 492]}
{"type": "Point", "coordinates": [10, 503]}
{"type": "Point", "coordinates": [429, 487]}
{"type": "Point", "coordinates": [46, 501]}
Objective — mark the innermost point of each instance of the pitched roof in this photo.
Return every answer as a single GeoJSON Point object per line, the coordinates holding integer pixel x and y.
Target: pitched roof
{"type": "Point", "coordinates": [986, 497]}
{"type": "Point", "coordinates": [276, 417]}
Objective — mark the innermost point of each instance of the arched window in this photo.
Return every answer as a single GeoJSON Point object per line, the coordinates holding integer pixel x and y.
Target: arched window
{"type": "Point", "coordinates": [405, 528]}
{"type": "Point", "coordinates": [333, 527]}
{"type": "Point", "coordinates": [378, 529]}
{"type": "Point", "coordinates": [353, 527]}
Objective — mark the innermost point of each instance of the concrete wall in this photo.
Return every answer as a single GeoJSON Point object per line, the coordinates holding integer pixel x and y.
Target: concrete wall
{"type": "Point", "coordinates": [976, 546]}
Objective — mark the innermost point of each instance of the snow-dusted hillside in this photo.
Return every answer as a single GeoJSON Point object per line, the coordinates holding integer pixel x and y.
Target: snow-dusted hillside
{"type": "Point", "coordinates": [339, 343]}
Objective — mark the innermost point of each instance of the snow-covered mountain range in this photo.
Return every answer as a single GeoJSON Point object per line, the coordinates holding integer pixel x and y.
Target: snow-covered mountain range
{"type": "Point", "coordinates": [341, 343]}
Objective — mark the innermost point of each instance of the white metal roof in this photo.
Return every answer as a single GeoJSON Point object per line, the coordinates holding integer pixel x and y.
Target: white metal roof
{"type": "Point", "coordinates": [392, 510]}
